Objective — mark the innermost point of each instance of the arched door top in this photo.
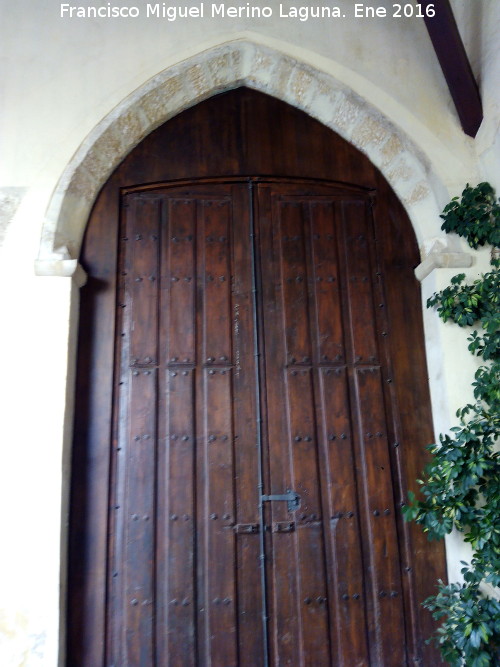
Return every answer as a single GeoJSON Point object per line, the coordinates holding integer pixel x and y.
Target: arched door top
{"type": "Point", "coordinates": [235, 64]}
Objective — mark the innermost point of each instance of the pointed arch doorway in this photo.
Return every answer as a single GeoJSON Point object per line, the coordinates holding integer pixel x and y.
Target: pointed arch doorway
{"type": "Point", "coordinates": [253, 404]}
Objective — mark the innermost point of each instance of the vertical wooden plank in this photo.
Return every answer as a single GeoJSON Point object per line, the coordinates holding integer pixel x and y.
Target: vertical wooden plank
{"type": "Point", "coordinates": [142, 263]}
{"type": "Point", "coordinates": [244, 376]}
{"type": "Point", "coordinates": [284, 627]}
{"type": "Point", "coordinates": [176, 535]}
{"type": "Point", "coordinates": [219, 516]}
{"type": "Point", "coordinates": [347, 594]}
{"type": "Point", "coordinates": [176, 546]}
{"type": "Point", "coordinates": [293, 223]}
{"type": "Point", "coordinates": [132, 576]}
{"type": "Point", "coordinates": [216, 502]}
{"type": "Point", "coordinates": [279, 289]}
{"type": "Point", "coordinates": [290, 238]}
{"type": "Point", "coordinates": [359, 272]}
{"type": "Point", "coordinates": [312, 603]}
{"type": "Point", "coordinates": [216, 262]}
{"type": "Point", "coordinates": [180, 282]}
{"type": "Point", "coordinates": [139, 518]}
{"type": "Point", "coordinates": [380, 538]}
{"type": "Point", "coordinates": [326, 316]}
{"type": "Point", "coordinates": [385, 580]}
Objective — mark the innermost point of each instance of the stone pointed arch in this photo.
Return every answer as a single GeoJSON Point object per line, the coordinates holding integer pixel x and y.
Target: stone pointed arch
{"type": "Point", "coordinates": [238, 63]}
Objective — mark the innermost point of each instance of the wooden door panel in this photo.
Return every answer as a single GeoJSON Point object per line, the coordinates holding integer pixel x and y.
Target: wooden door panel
{"type": "Point", "coordinates": [188, 370]}
{"type": "Point", "coordinates": [186, 587]}
{"type": "Point", "coordinates": [290, 327]}
{"type": "Point", "coordinates": [359, 562]}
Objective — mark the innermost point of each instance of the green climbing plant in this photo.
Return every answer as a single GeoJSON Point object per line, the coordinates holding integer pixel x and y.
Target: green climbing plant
{"type": "Point", "coordinates": [460, 486]}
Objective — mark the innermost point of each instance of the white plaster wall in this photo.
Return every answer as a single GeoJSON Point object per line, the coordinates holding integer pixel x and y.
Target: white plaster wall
{"type": "Point", "coordinates": [34, 339]}
{"type": "Point", "coordinates": [451, 371]}
{"type": "Point", "coordinates": [64, 75]}
{"type": "Point", "coordinates": [489, 138]}
{"type": "Point", "coordinates": [479, 25]}
{"type": "Point", "coordinates": [59, 79]}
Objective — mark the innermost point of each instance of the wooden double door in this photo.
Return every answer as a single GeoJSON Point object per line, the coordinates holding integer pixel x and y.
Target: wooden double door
{"type": "Point", "coordinates": [254, 517]}
{"type": "Point", "coordinates": [251, 317]}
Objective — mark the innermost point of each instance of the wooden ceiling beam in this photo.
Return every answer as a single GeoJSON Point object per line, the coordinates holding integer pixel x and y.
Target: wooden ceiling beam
{"type": "Point", "coordinates": [449, 48]}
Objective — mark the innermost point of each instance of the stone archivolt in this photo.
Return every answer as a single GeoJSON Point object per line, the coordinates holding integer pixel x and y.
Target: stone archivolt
{"type": "Point", "coordinates": [231, 65]}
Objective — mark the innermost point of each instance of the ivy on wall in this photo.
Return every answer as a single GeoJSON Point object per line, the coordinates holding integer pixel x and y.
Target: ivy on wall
{"type": "Point", "coordinates": [461, 484]}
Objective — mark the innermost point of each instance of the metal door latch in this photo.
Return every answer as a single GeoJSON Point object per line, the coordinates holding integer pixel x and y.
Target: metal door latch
{"type": "Point", "coordinates": [283, 527]}
{"type": "Point", "coordinates": [246, 528]}
{"type": "Point", "coordinates": [291, 497]}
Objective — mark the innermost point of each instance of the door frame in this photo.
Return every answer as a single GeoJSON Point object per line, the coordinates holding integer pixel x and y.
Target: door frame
{"type": "Point", "coordinates": [104, 196]}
